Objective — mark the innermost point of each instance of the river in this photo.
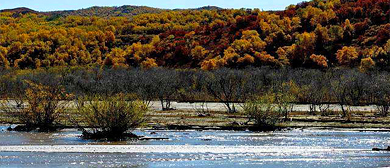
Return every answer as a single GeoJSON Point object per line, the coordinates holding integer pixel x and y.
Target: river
{"type": "Point", "coordinates": [297, 148]}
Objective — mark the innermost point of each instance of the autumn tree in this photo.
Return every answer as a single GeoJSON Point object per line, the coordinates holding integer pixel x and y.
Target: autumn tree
{"type": "Point", "coordinates": [319, 60]}
{"type": "Point", "coordinates": [242, 51]}
{"type": "Point", "coordinates": [367, 64]}
{"type": "Point", "coordinates": [347, 56]}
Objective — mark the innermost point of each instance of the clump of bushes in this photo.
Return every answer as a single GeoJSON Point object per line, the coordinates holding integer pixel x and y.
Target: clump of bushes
{"type": "Point", "coordinates": [268, 110]}
{"type": "Point", "coordinates": [44, 105]}
{"type": "Point", "coordinates": [110, 117]}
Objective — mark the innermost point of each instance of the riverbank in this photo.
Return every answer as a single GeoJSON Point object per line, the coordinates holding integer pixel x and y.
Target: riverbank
{"type": "Point", "coordinates": [220, 120]}
{"type": "Point", "coordinates": [213, 116]}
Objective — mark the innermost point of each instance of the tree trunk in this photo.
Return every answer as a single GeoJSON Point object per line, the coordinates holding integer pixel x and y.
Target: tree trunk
{"type": "Point", "coordinates": [343, 110]}
{"type": "Point", "coordinates": [162, 104]}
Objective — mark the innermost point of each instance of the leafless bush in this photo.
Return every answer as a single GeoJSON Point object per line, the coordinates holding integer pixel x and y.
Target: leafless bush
{"type": "Point", "coordinates": [226, 86]}
{"type": "Point", "coordinates": [381, 90]}
{"type": "Point", "coordinates": [44, 104]}
{"type": "Point", "coordinates": [110, 117]}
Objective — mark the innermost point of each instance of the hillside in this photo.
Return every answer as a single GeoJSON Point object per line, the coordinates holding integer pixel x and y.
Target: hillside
{"type": "Point", "coordinates": [21, 10]}
{"type": "Point", "coordinates": [116, 11]}
{"type": "Point", "coordinates": [125, 11]}
{"type": "Point", "coordinates": [316, 34]}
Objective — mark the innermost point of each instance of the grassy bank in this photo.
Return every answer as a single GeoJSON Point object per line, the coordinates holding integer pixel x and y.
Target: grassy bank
{"type": "Point", "coordinates": [191, 119]}
{"type": "Point", "coordinates": [238, 120]}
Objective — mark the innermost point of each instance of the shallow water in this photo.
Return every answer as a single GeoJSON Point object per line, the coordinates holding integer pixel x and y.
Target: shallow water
{"type": "Point", "coordinates": [289, 148]}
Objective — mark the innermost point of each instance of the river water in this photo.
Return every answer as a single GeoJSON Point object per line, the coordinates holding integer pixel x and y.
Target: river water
{"type": "Point", "coordinates": [297, 148]}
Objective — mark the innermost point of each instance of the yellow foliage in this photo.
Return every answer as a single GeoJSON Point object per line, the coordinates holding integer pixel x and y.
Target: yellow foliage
{"type": "Point", "coordinates": [373, 52]}
{"type": "Point", "coordinates": [387, 46]}
{"type": "Point", "coordinates": [214, 63]}
{"type": "Point", "coordinates": [198, 53]}
{"type": "Point", "coordinates": [367, 63]}
{"type": "Point", "coordinates": [155, 40]}
{"type": "Point", "coordinates": [253, 37]}
{"type": "Point", "coordinates": [209, 64]}
{"type": "Point", "coordinates": [139, 52]}
{"type": "Point", "coordinates": [317, 15]}
{"type": "Point", "coordinates": [230, 54]}
{"type": "Point", "coordinates": [306, 40]}
{"type": "Point", "coordinates": [287, 52]}
{"type": "Point", "coordinates": [149, 63]}
{"type": "Point", "coordinates": [348, 26]}
{"type": "Point", "coordinates": [3, 60]}
{"type": "Point", "coordinates": [322, 32]}
{"type": "Point", "coordinates": [347, 55]}
{"type": "Point", "coordinates": [116, 58]}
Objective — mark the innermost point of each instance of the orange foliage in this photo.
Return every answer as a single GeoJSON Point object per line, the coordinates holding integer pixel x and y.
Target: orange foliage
{"type": "Point", "coordinates": [320, 60]}
{"type": "Point", "coordinates": [246, 59]}
{"type": "Point", "coordinates": [266, 59]}
{"type": "Point", "coordinates": [149, 63]}
{"type": "Point", "coordinates": [213, 63]}
{"type": "Point", "coordinates": [347, 55]}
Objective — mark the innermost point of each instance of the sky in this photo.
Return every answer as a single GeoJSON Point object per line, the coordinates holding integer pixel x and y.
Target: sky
{"type": "Point", "coordinates": [50, 5]}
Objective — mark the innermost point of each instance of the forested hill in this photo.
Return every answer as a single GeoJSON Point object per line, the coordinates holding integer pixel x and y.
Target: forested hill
{"type": "Point", "coordinates": [120, 11]}
{"type": "Point", "coordinates": [125, 11]}
{"type": "Point", "coordinates": [21, 10]}
{"type": "Point", "coordinates": [316, 34]}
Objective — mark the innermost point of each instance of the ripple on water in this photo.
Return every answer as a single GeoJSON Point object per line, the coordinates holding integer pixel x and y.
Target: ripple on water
{"type": "Point", "coordinates": [291, 148]}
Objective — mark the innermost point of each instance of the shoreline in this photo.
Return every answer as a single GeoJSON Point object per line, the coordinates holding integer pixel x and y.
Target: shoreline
{"type": "Point", "coordinates": [213, 117]}
{"type": "Point", "coordinates": [238, 128]}
{"type": "Point", "coordinates": [237, 122]}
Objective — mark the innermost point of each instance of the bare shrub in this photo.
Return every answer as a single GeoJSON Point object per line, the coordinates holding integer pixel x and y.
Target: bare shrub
{"type": "Point", "coordinates": [110, 117]}
{"type": "Point", "coordinates": [226, 86]}
{"type": "Point", "coordinates": [381, 91]}
{"type": "Point", "coordinates": [342, 91]}
{"type": "Point", "coordinates": [264, 110]}
{"type": "Point", "coordinates": [202, 109]}
{"type": "Point", "coordinates": [45, 104]}
{"type": "Point", "coordinates": [13, 91]}
{"type": "Point", "coordinates": [324, 109]}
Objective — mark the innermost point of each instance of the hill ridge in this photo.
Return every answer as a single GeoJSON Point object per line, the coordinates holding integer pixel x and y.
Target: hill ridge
{"type": "Point", "coordinates": [104, 11]}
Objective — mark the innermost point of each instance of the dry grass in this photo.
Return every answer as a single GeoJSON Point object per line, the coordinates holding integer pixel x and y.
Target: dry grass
{"type": "Point", "coordinates": [359, 119]}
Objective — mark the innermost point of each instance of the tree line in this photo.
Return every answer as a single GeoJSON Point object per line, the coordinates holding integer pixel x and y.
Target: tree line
{"type": "Point", "coordinates": [346, 87]}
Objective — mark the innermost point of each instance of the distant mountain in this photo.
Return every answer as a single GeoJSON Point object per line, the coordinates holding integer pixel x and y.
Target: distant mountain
{"type": "Point", "coordinates": [204, 8]}
{"type": "Point", "coordinates": [210, 8]}
{"type": "Point", "coordinates": [125, 11]}
{"type": "Point", "coordinates": [21, 10]}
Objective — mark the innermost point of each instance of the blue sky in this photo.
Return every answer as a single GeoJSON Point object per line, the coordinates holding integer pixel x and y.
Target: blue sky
{"type": "Point", "coordinates": [49, 5]}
